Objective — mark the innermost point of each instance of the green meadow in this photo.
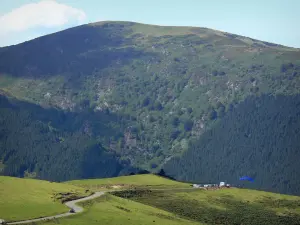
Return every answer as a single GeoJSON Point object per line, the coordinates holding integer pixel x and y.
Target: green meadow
{"type": "Point", "coordinates": [144, 199]}
{"type": "Point", "coordinates": [22, 199]}
{"type": "Point", "coordinates": [125, 182]}
{"type": "Point", "coordinates": [111, 210]}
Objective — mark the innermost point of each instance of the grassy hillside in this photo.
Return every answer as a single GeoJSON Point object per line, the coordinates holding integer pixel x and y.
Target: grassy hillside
{"type": "Point", "coordinates": [111, 210]}
{"type": "Point", "coordinates": [22, 199]}
{"type": "Point", "coordinates": [25, 198]}
{"type": "Point", "coordinates": [145, 181]}
{"type": "Point", "coordinates": [226, 206]}
{"type": "Point", "coordinates": [140, 93]}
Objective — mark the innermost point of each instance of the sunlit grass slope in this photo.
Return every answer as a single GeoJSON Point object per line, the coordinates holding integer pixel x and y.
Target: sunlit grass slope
{"type": "Point", "coordinates": [22, 199]}
{"type": "Point", "coordinates": [145, 180]}
{"type": "Point", "coordinates": [111, 210]}
{"type": "Point", "coordinates": [159, 201]}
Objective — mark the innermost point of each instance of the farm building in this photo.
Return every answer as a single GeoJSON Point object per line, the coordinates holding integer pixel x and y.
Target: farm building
{"type": "Point", "coordinates": [222, 184]}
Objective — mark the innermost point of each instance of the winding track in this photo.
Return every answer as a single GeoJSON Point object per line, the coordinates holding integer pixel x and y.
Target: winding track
{"type": "Point", "coordinates": [77, 209]}
{"type": "Point", "coordinates": [70, 204]}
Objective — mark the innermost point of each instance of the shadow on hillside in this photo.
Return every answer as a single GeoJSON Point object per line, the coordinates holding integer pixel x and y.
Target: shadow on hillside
{"type": "Point", "coordinates": [97, 122]}
{"type": "Point", "coordinates": [57, 145]}
{"type": "Point", "coordinates": [77, 50]}
{"type": "Point", "coordinates": [97, 162]}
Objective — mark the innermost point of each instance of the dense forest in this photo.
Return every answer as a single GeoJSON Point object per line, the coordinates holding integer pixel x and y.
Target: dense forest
{"type": "Point", "coordinates": [101, 99]}
{"type": "Point", "coordinates": [30, 146]}
{"type": "Point", "coordinates": [259, 138]}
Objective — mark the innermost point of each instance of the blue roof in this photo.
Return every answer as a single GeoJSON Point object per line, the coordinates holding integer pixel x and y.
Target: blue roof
{"type": "Point", "coordinates": [247, 178]}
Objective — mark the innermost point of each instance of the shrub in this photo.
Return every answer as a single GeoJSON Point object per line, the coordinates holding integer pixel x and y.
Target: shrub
{"type": "Point", "coordinates": [188, 125]}
{"type": "Point", "coordinates": [146, 101]}
{"type": "Point", "coordinates": [221, 111]}
{"type": "Point", "coordinates": [176, 59]}
{"type": "Point", "coordinates": [252, 79]}
{"type": "Point", "coordinates": [158, 106]}
{"type": "Point", "coordinates": [134, 129]}
{"type": "Point", "coordinates": [213, 115]}
{"type": "Point", "coordinates": [175, 121]}
{"type": "Point", "coordinates": [155, 147]}
{"type": "Point", "coordinates": [151, 119]}
{"type": "Point", "coordinates": [174, 134]}
{"type": "Point", "coordinates": [143, 172]}
{"type": "Point", "coordinates": [283, 68]}
{"type": "Point", "coordinates": [153, 165]}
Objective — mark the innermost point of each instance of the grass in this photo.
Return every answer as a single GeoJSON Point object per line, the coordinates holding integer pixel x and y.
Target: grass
{"type": "Point", "coordinates": [227, 206]}
{"type": "Point", "coordinates": [36, 88]}
{"type": "Point", "coordinates": [155, 30]}
{"type": "Point", "coordinates": [117, 211]}
{"type": "Point", "coordinates": [176, 204]}
{"type": "Point", "coordinates": [145, 180]}
{"type": "Point", "coordinates": [22, 199]}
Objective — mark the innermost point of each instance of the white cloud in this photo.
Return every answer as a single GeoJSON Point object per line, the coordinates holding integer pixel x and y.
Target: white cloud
{"type": "Point", "coordinates": [44, 14]}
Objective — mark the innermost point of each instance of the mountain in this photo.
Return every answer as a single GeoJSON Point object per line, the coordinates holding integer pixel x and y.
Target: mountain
{"type": "Point", "coordinates": [142, 94]}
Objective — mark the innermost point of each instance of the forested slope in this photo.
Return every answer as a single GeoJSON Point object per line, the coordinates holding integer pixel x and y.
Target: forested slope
{"type": "Point", "coordinates": [258, 138]}
{"type": "Point", "coordinates": [31, 145]}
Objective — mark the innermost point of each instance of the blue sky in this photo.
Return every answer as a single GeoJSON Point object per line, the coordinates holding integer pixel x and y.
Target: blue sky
{"type": "Point", "coordinates": [269, 20]}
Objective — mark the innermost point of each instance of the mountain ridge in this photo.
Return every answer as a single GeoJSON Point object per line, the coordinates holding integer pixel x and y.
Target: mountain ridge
{"type": "Point", "coordinates": [101, 23]}
{"type": "Point", "coordinates": [143, 92]}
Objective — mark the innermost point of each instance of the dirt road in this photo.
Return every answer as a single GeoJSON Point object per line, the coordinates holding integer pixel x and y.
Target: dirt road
{"type": "Point", "coordinates": [70, 204]}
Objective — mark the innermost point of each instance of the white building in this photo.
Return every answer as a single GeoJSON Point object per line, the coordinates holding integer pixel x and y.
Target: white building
{"type": "Point", "coordinates": [222, 184]}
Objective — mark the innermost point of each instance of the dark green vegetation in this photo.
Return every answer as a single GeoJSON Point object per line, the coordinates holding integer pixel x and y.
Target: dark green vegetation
{"type": "Point", "coordinates": [30, 145]}
{"type": "Point", "coordinates": [231, 206]}
{"type": "Point", "coordinates": [259, 138]}
{"type": "Point", "coordinates": [117, 95]}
